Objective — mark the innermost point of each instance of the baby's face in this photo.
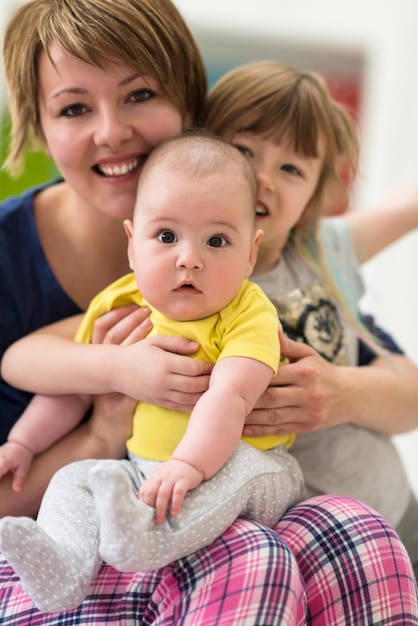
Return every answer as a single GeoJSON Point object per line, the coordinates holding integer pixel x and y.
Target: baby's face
{"type": "Point", "coordinates": [193, 243]}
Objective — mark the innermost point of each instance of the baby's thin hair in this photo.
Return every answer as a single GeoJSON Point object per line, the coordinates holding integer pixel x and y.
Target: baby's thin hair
{"type": "Point", "coordinates": [197, 153]}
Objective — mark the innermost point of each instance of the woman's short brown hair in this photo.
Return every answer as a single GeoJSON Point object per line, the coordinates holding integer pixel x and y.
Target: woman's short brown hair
{"type": "Point", "coordinates": [147, 35]}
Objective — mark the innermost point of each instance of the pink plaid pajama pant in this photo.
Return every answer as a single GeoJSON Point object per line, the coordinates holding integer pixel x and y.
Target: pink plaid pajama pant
{"type": "Point", "coordinates": [333, 562]}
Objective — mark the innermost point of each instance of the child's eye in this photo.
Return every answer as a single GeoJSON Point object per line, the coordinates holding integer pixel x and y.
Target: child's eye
{"type": "Point", "coordinates": [217, 241]}
{"type": "Point", "coordinates": [244, 150]}
{"type": "Point", "coordinates": [142, 95]}
{"type": "Point", "coordinates": [291, 169]}
{"type": "Point", "coordinates": [167, 236]}
{"type": "Point", "coordinates": [73, 110]}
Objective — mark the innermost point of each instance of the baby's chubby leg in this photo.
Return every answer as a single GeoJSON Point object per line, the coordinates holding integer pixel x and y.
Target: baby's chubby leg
{"type": "Point", "coordinates": [252, 484]}
{"type": "Point", "coordinates": [57, 556]}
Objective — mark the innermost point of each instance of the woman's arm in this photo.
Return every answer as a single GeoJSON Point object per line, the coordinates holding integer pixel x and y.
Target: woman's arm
{"type": "Point", "coordinates": [312, 394]}
{"type": "Point", "coordinates": [155, 369]}
{"type": "Point", "coordinates": [374, 228]}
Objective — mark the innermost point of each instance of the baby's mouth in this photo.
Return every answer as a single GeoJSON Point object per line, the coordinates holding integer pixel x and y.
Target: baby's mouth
{"type": "Point", "coordinates": [187, 287]}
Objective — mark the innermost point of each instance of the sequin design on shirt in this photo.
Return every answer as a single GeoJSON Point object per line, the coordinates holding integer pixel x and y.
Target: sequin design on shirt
{"type": "Point", "coordinates": [309, 315]}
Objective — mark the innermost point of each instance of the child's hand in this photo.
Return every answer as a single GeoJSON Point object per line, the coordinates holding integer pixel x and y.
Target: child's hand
{"type": "Point", "coordinates": [15, 458]}
{"type": "Point", "coordinates": [169, 482]}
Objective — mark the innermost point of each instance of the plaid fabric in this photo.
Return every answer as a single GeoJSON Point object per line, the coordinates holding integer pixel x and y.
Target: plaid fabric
{"type": "Point", "coordinates": [356, 570]}
{"type": "Point", "coordinates": [336, 562]}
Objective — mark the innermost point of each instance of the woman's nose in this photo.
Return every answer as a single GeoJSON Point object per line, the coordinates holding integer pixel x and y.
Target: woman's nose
{"type": "Point", "coordinates": [113, 129]}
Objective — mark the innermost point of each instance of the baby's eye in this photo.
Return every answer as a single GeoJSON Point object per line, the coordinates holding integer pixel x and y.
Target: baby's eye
{"type": "Point", "coordinates": [73, 110]}
{"type": "Point", "coordinates": [291, 169]}
{"type": "Point", "coordinates": [142, 95]}
{"type": "Point", "coordinates": [167, 236]}
{"type": "Point", "coordinates": [217, 241]}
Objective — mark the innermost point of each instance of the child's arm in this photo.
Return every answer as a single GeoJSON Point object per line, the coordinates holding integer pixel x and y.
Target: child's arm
{"type": "Point", "coordinates": [213, 432]}
{"type": "Point", "coordinates": [45, 420]}
{"type": "Point", "coordinates": [374, 228]}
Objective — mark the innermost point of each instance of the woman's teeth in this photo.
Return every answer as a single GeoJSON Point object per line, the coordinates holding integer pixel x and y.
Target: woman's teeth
{"type": "Point", "coordinates": [118, 170]}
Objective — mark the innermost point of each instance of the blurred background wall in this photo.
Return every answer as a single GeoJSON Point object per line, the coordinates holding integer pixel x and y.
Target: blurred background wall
{"type": "Point", "coordinates": [369, 53]}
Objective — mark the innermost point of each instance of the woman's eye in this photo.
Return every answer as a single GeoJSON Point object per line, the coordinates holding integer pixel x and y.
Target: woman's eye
{"type": "Point", "coordinates": [217, 241]}
{"type": "Point", "coordinates": [73, 110]}
{"type": "Point", "coordinates": [166, 236]}
{"type": "Point", "coordinates": [291, 169]}
{"type": "Point", "coordinates": [142, 95]}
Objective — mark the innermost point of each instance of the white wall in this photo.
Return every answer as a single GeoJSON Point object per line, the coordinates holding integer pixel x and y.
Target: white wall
{"type": "Point", "coordinates": [384, 33]}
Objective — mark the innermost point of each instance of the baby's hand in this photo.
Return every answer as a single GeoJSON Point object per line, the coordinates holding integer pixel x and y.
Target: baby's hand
{"type": "Point", "coordinates": [169, 482]}
{"type": "Point", "coordinates": [15, 458]}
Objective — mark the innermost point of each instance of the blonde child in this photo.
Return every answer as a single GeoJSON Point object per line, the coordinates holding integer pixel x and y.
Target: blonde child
{"type": "Point", "coordinates": [294, 134]}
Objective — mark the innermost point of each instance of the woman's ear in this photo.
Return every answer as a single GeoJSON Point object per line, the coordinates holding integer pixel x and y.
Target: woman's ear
{"type": "Point", "coordinates": [254, 249]}
{"type": "Point", "coordinates": [129, 229]}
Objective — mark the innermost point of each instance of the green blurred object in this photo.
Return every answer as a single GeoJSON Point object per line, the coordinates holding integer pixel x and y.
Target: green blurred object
{"type": "Point", "coordinates": [38, 167]}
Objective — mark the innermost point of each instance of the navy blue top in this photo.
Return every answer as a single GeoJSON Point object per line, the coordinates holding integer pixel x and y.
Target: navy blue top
{"type": "Point", "coordinates": [30, 295]}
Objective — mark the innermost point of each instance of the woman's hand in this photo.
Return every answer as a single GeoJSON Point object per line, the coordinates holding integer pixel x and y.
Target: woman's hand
{"type": "Point", "coordinates": [304, 395]}
{"type": "Point", "coordinates": [124, 325]}
{"type": "Point", "coordinates": [158, 371]}
{"type": "Point", "coordinates": [309, 393]}
{"type": "Point", "coordinates": [154, 369]}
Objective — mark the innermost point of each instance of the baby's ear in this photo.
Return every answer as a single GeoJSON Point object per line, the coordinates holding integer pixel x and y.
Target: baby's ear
{"type": "Point", "coordinates": [129, 230]}
{"type": "Point", "coordinates": [254, 249]}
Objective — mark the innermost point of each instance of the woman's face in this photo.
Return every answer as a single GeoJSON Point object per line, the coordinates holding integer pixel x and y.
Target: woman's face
{"type": "Point", "coordinates": [99, 127]}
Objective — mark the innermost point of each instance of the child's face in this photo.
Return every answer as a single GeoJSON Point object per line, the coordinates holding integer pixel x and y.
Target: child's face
{"type": "Point", "coordinates": [100, 125]}
{"type": "Point", "coordinates": [286, 181]}
{"type": "Point", "coordinates": [193, 242]}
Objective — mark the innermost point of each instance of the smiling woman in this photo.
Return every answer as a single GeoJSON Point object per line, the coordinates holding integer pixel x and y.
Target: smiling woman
{"type": "Point", "coordinates": [98, 126]}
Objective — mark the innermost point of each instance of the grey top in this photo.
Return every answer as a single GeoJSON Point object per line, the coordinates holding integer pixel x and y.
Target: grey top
{"type": "Point", "coordinates": [347, 459]}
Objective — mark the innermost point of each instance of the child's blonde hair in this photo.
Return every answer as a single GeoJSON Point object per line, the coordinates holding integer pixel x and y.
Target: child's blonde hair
{"type": "Point", "coordinates": [288, 105]}
{"type": "Point", "coordinates": [148, 35]}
